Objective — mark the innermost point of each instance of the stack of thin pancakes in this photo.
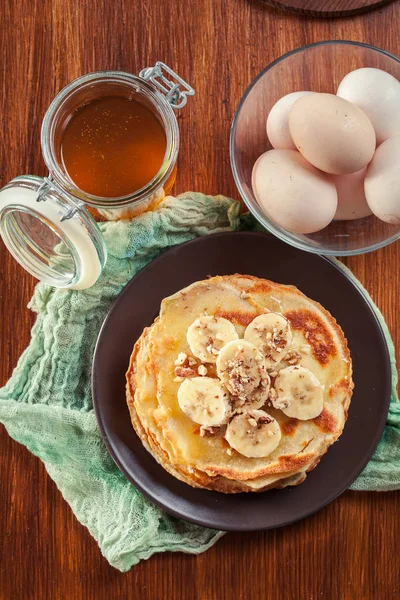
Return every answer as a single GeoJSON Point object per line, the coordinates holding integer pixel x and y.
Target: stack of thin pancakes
{"type": "Point", "coordinates": [208, 461]}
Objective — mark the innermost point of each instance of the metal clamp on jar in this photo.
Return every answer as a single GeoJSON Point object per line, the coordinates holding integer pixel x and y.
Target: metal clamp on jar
{"type": "Point", "coordinates": [47, 223]}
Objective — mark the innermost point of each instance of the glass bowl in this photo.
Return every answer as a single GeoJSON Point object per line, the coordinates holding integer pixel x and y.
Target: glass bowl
{"type": "Point", "coordinates": [319, 67]}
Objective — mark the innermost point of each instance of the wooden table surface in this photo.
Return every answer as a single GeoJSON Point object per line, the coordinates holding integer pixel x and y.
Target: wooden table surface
{"type": "Point", "coordinates": [349, 550]}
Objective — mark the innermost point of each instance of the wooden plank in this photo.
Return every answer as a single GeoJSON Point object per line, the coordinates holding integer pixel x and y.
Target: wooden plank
{"type": "Point", "coordinates": [348, 551]}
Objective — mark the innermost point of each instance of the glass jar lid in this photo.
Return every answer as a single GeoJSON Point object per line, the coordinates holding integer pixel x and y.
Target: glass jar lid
{"type": "Point", "coordinates": [50, 234]}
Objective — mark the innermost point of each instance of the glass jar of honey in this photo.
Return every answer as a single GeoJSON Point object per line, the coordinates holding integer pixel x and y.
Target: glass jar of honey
{"type": "Point", "coordinates": [110, 141]}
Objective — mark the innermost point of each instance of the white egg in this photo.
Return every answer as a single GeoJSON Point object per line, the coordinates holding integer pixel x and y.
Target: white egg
{"type": "Point", "coordinates": [352, 203]}
{"type": "Point", "coordinates": [278, 121]}
{"type": "Point", "coordinates": [377, 93]}
{"type": "Point", "coordinates": [382, 182]}
{"type": "Point", "coordinates": [333, 134]}
{"type": "Point", "coordinates": [292, 193]}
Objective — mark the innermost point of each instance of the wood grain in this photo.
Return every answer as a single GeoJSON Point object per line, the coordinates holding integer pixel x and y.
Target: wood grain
{"type": "Point", "coordinates": [348, 551]}
{"type": "Point", "coordinates": [328, 8]}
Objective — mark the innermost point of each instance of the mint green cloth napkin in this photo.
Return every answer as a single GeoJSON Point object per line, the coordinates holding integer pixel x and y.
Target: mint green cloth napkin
{"type": "Point", "coordinates": [47, 406]}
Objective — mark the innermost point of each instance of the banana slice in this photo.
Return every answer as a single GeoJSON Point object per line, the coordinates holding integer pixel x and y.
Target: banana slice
{"type": "Point", "coordinates": [272, 335]}
{"type": "Point", "coordinates": [254, 434]}
{"type": "Point", "coordinates": [241, 367]}
{"type": "Point", "coordinates": [299, 393]}
{"type": "Point", "coordinates": [204, 400]}
{"type": "Point", "coordinates": [259, 397]}
{"type": "Point", "coordinates": [207, 335]}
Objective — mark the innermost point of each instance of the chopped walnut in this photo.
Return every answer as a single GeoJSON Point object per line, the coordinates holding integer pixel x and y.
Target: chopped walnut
{"type": "Point", "coordinates": [273, 373]}
{"type": "Point", "coordinates": [264, 420]}
{"type": "Point", "coordinates": [265, 382]}
{"type": "Point", "coordinates": [252, 422]}
{"type": "Point", "coordinates": [237, 406]}
{"type": "Point", "coordinates": [202, 370]}
{"type": "Point", "coordinates": [244, 295]}
{"type": "Point", "coordinates": [184, 371]}
{"type": "Point", "coordinates": [293, 358]}
{"type": "Point", "coordinates": [208, 431]}
{"type": "Point", "coordinates": [192, 361]}
{"type": "Point", "coordinates": [182, 358]}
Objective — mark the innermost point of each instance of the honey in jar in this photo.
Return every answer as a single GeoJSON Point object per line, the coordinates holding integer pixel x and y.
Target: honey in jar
{"type": "Point", "coordinates": [113, 146]}
{"type": "Point", "coordinates": [110, 141]}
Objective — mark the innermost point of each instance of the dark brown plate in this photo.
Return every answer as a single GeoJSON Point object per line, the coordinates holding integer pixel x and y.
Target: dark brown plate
{"type": "Point", "coordinates": [328, 8]}
{"type": "Point", "coordinates": [264, 256]}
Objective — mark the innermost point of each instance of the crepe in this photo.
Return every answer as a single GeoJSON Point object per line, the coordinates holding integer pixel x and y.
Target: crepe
{"type": "Point", "coordinates": [208, 461]}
